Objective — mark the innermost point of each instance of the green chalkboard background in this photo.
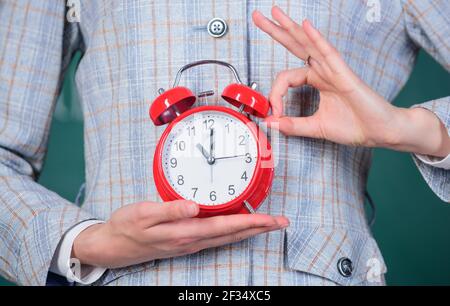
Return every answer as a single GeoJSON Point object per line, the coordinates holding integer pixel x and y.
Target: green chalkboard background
{"type": "Point", "coordinates": [412, 227]}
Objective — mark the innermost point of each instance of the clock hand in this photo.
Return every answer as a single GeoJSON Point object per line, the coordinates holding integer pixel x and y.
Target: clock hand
{"type": "Point", "coordinates": [211, 159]}
{"type": "Point", "coordinates": [202, 149]}
{"type": "Point", "coordinates": [211, 143]}
{"type": "Point", "coordinates": [230, 157]}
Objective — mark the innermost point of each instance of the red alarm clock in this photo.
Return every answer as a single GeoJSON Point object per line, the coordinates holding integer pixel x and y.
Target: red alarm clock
{"type": "Point", "coordinates": [213, 155]}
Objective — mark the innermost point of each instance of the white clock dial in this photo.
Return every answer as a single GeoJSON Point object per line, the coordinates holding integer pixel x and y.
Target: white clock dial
{"type": "Point", "coordinates": [210, 157]}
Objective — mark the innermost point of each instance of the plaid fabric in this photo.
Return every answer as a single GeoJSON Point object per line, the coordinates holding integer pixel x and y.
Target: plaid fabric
{"type": "Point", "coordinates": [130, 49]}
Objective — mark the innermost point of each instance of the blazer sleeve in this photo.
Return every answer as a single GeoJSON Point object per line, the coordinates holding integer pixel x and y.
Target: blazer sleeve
{"type": "Point", "coordinates": [36, 44]}
{"type": "Point", "coordinates": [428, 26]}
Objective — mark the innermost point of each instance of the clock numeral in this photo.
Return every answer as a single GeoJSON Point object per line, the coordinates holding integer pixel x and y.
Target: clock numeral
{"type": "Point", "coordinates": [249, 159]}
{"type": "Point", "coordinates": [173, 162]}
{"type": "Point", "coordinates": [180, 180]}
{"type": "Point", "coordinates": [209, 123]}
{"type": "Point", "coordinates": [244, 176]}
{"type": "Point", "coordinates": [213, 196]}
{"type": "Point", "coordinates": [195, 189]}
{"type": "Point", "coordinates": [227, 127]}
{"type": "Point", "coordinates": [231, 190]}
{"type": "Point", "coordinates": [191, 130]}
{"type": "Point", "coordinates": [180, 145]}
{"type": "Point", "coordinates": [242, 140]}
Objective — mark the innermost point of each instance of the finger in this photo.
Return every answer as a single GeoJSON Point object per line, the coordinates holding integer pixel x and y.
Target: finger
{"type": "Point", "coordinates": [157, 213]}
{"type": "Point", "coordinates": [327, 51]}
{"type": "Point", "coordinates": [296, 126]}
{"type": "Point", "coordinates": [232, 238]}
{"type": "Point", "coordinates": [296, 32]}
{"type": "Point", "coordinates": [286, 39]}
{"type": "Point", "coordinates": [206, 228]}
{"type": "Point", "coordinates": [279, 34]}
{"type": "Point", "coordinates": [227, 225]}
{"type": "Point", "coordinates": [285, 80]}
{"type": "Point", "coordinates": [323, 71]}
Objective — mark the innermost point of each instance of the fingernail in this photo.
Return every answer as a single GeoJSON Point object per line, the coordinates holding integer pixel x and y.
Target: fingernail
{"type": "Point", "coordinates": [270, 120]}
{"type": "Point", "coordinates": [192, 209]}
{"type": "Point", "coordinates": [308, 22]}
{"type": "Point", "coordinates": [273, 124]}
{"type": "Point", "coordinates": [283, 224]}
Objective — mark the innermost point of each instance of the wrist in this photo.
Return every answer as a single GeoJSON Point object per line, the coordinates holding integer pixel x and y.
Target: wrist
{"type": "Point", "coordinates": [86, 246]}
{"type": "Point", "coordinates": [422, 132]}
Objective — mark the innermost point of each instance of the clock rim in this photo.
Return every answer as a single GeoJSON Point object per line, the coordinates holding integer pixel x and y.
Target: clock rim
{"type": "Point", "coordinates": [166, 191]}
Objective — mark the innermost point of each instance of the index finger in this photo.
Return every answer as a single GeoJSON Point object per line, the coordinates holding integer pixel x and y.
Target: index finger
{"type": "Point", "coordinates": [206, 228]}
{"type": "Point", "coordinates": [279, 34]}
{"type": "Point", "coordinates": [297, 32]}
{"type": "Point", "coordinates": [284, 80]}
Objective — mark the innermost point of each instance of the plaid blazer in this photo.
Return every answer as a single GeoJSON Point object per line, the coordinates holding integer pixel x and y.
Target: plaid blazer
{"type": "Point", "coordinates": [130, 49]}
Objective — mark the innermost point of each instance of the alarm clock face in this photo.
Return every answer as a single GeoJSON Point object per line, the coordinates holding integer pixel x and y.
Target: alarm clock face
{"type": "Point", "coordinates": [210, 157]}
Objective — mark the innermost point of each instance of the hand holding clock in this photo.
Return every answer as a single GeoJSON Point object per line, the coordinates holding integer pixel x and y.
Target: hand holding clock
{"type": "Point", "coordinates": [142, 232]}
{"type": "Point", "coordinates": [350, 112]}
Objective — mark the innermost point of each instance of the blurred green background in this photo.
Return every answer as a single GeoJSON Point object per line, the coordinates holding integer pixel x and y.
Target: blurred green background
{"type": "Point", "coordinates": [412, 225]}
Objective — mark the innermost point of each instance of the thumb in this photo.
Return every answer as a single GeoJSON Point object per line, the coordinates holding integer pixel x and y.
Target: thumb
{"type": "Point", "coordinates": [296, 126]}
{"type": "Point", "coordinates": [171, 211]}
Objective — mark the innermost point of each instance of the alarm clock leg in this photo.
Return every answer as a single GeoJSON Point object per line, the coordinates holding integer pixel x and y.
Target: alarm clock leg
{"type": "Point", "coordinates": [249, 207]}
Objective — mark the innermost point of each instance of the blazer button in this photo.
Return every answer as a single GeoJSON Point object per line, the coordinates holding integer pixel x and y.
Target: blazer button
{"type": "Point", "coordinates": [345, 267]}
{"type": "Point", "coordinates": [217, 27]}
